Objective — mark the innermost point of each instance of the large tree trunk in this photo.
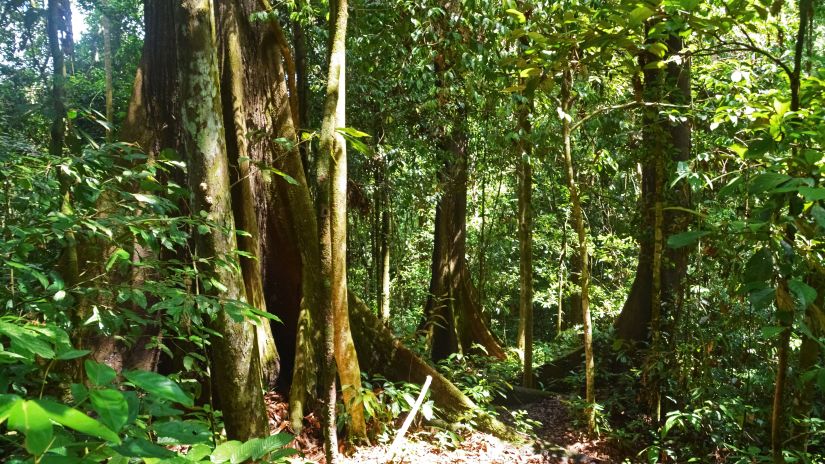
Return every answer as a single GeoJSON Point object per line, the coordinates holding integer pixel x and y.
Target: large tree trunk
{"type": "Point", "coordinates": [235, 363]}
{"type": "Point", "coordinates": [453, 313]}
{"type": "Point", "coordinates": [243, 197]}
{"type": "Point", "coordinates": [665, 143]}
{"type": "Point", "coordinates": [288, 258]}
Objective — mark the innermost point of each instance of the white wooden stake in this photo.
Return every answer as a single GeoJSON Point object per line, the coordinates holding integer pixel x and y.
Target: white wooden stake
{"type": "Point", "coordinates": [399, 438]}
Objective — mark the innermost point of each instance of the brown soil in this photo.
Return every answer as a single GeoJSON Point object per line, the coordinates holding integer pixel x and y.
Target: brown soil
{"type": "Point", "coordinates": [554, 441]}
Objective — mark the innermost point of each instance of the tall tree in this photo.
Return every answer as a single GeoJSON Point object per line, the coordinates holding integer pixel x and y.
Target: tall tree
{"type": "Point", "coordinates": [106, 24]}
{"type": "Point", "coordinates": [784, 301]}
{"type": "Point", "coordinates": [453, 316]}
{"type": "Point", "coordinates": [236, 365]}
{"type": "Point", "coordinates": [332, 217]}
{"type": "Point", "coordinates": [55, 25]}
{"type": "Point", "coordinates": [243, 196]}
{"type": "Point", "coordinates": [567, 100]}
{"type": "Point", "coordinates": [660, 273]}
{"type": "Point", "coordinates": [524, 172]}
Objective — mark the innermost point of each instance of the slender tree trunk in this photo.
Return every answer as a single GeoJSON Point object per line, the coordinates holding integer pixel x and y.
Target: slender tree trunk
{"type": "Point", "coordinates": [784, 302]}
{"type": "Point", "coordinates": [107, 66]}
{"type": "Point", "coordinates": [69, 259]}
{"type": "Point", "coordinates": [384, 239]}
{"type": "Point", "coordinates": [581, 232]}
{"type": "Point", "coordinates": [809, 354]}
{"type": "Point", "coordinates": [332, 211]}
{"type": "Point", "coordinates": [235, 362]}
{"type": "Point", "coordinates": [562, 258]}
{"type": "Point", "coordinates": [67, 42]}
{"type": "Point", "coordinates": [525, 238]}
{"type": "Point", "coordinates": [785, 314]}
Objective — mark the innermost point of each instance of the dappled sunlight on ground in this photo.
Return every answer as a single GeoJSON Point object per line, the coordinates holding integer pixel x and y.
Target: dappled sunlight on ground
{"type": "Point", "coordinates": [555, 441]}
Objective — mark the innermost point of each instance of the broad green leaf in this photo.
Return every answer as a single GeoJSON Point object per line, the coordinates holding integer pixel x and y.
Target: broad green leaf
{"type": "Point", "coordinates": [657, 48]}
{"type": "Point", "coordinates": [759, 267]}
{"type": "Point", "coordinates": [781, 107]}
{"type": "Point", "coordinates": [517, 14]}
{"type": "Point", "coordinates": [352, 132]}
{"type": "Point", "coordinates": [26, 339]}
{"type": "Point", "coordinates": [76, 420]}
{"type": "Point", "coordinates": [762, 298]}
{"type": "Point", "coordinates": [71, 354]}
{"type": "Point", "coordinates": [767, 181]}
{"type": "Point", "coordinates": [79, 392]}
{"type": "Point", "coordinates": [160, 386]}
{"type": "Point", "coordinates": [640, 14]}
{"type": "Point", "coordinates": [275, 456]}
{"type": "Point", "coordinates": [198, 452]}
{"type": "Point", "coordinates": [689, 5]}
{"type": "Point", "coordinates": [182, 432]}
{"type": "Point", "coordinates": [771, 331]}
{"type": "Point", "coordinates": [285, 176]}
{"type": "Point", "coordinates": [98, 373]}
{"type": "Point", "coordinates": [272, 443]}
{"type": "Point", "coordinates": [223, 452]}
{"type": "Point", "coordinates": [141, 448]}
{"type": "Point", "coordinates": [686, 238]}
{"type": "Point", "coordinates": [29, 418]}
{"type": "Point", "coordinates": [7, 402]}
{"type": "Point", "coordinates": [149, 199]}
{"type": "Point", "coordinates": [111, 406]}
{"type": "Point", "coordinates": [818, 214]}
{"type": "Point", "coordinates": [669, 423]}
{"type": "Point", "coordinates": [812, 193]}
{"type": "Point", "coordinates": [117, 255]}
{"type": "Point", "coordinates": [804, 293]}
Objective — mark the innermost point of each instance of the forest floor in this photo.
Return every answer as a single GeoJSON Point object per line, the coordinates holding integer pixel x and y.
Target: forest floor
{"type": "Point", "coordinates": [555, 440]}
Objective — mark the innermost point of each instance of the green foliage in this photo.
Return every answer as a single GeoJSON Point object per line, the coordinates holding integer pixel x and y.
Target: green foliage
{"type": "Point", "coordinates": [387, 403]}
{"type": "Point", "coordinates": [479, 378]}
{"type": "Point", "coordinates": [57, 403]}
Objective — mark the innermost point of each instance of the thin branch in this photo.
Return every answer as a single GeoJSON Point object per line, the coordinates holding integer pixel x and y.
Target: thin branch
{"type": "Point", "coordinates": [623, 106]}
{"type": "Point", "coordinates": [753, 48]}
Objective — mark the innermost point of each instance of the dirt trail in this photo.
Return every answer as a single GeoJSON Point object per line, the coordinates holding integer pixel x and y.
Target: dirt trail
{"type": "Point", "coordinates": [555, 442]}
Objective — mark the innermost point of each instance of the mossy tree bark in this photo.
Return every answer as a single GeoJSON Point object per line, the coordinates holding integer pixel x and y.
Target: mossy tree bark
{"type": "Point", "coordinates": [332, 219]}
{"type": "Point", "coordinates": [288, 257]}
{"type": "Point", "coordinates": [243, 197]}
{"type": "Point", "coordinates": [235, 364]}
